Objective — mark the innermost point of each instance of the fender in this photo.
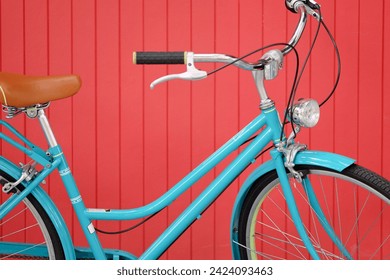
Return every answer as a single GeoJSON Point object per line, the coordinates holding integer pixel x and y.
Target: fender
{"type": "Point", "coordinates": [49, 207]}
{"type": "Point", "coordinates": [316, 158]}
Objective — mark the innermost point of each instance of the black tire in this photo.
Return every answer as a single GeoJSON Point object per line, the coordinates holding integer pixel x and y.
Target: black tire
{"type": "Point", "coordinates": [30, 224]}
{"type": "Point", "coordinates": [266, 231]}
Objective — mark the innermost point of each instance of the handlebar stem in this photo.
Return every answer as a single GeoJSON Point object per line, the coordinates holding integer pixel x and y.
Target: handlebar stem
{"type": "Point", "coordinates": [274, 62]}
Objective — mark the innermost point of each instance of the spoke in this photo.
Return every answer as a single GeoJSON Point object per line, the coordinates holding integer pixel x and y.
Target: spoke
{"type": "Point", "coordinates": [386, 256]}
{"type": "Point", "coordinates": [370, 227]}
{"type": "Point", "coordinates": [285, 234]}
{"type": "Point", "coordinates": [268, 256]}
{"type": "Point", "coordinates": [338, 211]}
{"type": "Point", "coordinates": [281, 231]}
{"type": "Point", "coordinates": [376, 251]}
{"type": "Point", "coordinates": [314, 240]}
{"type": "Point", "coordinates": [15, 232]}
{"type": "Point", "coordinates": [319, 249]}
{"type": "Point", "coordinates": [294, 237]}
{"type": "Point", "coordinates": [317, 240]}
{"type": "Point", "coordinates": [14, 216]}
{"type": "Point", "coordinates": [21, 251]}
{"type": "Point", "coordinates": [355, 226]}
{"type": "Point", "coordinates": [326, 201]}
{"type": "Point", "coordinates": [324, 196]}
{"type": "Point", "coordinates": [257, 235]}
{"type": "Point", "coordinates": [288, 216]}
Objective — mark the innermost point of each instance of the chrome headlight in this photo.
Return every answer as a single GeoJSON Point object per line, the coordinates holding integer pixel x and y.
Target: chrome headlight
{"type": "Point", "coordinates": [306, 112]}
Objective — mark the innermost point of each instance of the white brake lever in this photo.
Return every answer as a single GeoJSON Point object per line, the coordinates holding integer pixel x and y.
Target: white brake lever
{"type": "Point", "coordinates": [191, 74]}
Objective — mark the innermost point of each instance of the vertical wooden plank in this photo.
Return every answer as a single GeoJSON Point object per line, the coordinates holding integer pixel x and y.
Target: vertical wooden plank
{"type": "Point", "coordinates": [226, 110]}
{"type": "Point", "coordinates": [60, 112]}
{"type": "Point", "coordinates": [36, 59]}
{"type": "Point", "coordinates": [346, 96]}
{"type": "Point", "coordinates": [179, 119]}
{"type": "Point", "coordinates": [385, 90]}
{"type": "Point", "coordinates": [321, 79]}
{"type": "Point", "coordinates": [12, 60]}
{"type": "Point", "coordinates": [250, 39]}
{"type": "Point", "coordinates": [370, 97]}
{"type": "Point", "coordinates": [155, 122]}
{"type": "Point", "coordinates": [12, 36]}
{"type": "Point", "coordinates": [132, 119]}
{"type": "Point", "coordinates": [274, 31]}
{"type": "Point", "coordinates": [347, 92]}
{"type": "Point", "coordinates": [36, 37]}
{"type": "Point", "coordinates": [386, 110]}
{"type": "Point", "coordinates": [84, 105]}
{"type": "Point", "coordinates": [36, 63]}
{"type": "Point", "coordinates": [107, 111]}
{"type": "Point", "coordinates": [203, 124]}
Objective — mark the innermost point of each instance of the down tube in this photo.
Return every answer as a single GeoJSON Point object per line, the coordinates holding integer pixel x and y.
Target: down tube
{"type": "Point", "coordinates": [207, 197]}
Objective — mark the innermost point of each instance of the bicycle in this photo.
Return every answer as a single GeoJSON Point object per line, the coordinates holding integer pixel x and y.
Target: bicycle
{"type": "Point", "coordinates": [267, 219]}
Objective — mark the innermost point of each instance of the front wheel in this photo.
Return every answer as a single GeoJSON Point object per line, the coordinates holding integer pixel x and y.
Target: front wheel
{"type": "Point", "coordinates": [355, 202]}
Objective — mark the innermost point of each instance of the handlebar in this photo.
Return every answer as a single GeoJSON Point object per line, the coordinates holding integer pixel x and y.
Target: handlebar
{"type": "Point", "coordinates": [298, 30]}
{"type": "Point", "coordinates": [300, 6]}
{"type": "Point", "coordinates": [180, 58]}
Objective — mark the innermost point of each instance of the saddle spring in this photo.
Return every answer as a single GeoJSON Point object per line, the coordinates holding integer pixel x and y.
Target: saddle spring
{"type": "Point", "coordinates": [31, 111]}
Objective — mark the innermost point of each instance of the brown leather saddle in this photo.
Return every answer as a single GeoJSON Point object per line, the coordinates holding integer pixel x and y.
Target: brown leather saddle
{"type": "Point", "coordinates": [23, 91]}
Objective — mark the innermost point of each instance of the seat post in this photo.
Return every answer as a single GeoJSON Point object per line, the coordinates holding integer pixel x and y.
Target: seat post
{"type": "Point", "coordinates": [46, 128]}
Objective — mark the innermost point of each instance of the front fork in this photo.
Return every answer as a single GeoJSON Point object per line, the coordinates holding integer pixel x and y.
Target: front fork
{"type": "Point", "coordinates": [291, 204]}
{"type": "Point", "coordinates": [283, 157]}
{"type": "Point", "coordinates": [281, 165]}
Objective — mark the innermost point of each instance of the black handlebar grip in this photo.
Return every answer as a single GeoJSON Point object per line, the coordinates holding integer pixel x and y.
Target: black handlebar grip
{"type": "Point", "coordinates": [159, 57]}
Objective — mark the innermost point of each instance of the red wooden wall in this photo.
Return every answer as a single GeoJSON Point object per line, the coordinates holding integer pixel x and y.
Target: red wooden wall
{"type": "Point", "coordinates": [127, 144]}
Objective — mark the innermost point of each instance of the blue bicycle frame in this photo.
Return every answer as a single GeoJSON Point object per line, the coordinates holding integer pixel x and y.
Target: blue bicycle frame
{"type": "Point", "coordinates": [267, 122]}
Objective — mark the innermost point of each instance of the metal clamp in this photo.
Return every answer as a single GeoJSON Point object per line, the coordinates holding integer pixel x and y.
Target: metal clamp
{"type": "Point", "coordinates": [274, 62]}
{"type": "Point", "coordinates": [192, 73]}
